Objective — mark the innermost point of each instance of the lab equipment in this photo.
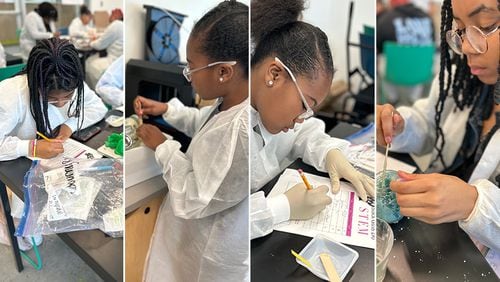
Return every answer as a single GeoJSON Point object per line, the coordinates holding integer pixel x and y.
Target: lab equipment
{"type": "Point", "coordinates": [343, 257]}
{"type": "Point", "coordinates": [131, 125]}
{"type": "Point", "coordinates": [387, 206]}
{"type": "Point", "coordinates": [385, 239]}
{"type": "Point", "coordinates": [162, 35]}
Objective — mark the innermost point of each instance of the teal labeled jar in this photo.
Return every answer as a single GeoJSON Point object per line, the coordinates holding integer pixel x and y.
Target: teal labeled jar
{"type": "Point", "coordinates": [387, 206]}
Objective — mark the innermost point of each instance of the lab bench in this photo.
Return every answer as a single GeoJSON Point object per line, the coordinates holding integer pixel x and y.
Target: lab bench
{"type": "Point", "coordinates": [101, 252]}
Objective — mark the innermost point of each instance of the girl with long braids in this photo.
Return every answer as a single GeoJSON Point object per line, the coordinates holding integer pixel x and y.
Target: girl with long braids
{"type": "Point", "coordinates": [453, 134]}
{"type": "Point", "coordinates": [292, 71]}
{"type": "Point", "coordinates": [48, 96]}
{"type": "Point", "coordinates": [201, 233]}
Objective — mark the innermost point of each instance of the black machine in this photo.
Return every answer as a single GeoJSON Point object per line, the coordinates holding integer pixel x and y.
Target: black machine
{"type": "Point", "coordinates": [156, 81]}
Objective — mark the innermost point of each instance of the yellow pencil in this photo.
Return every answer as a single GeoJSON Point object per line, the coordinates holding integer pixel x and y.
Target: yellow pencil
{"type": "Point", "coordinates": [302, 259]}
{"type": "Point", "coordinates": [43, 136]}
{"type": "Point", "coordinates": [309, 187]}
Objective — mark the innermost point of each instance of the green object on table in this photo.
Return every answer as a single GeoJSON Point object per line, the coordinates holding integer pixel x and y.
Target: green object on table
{"type": "Point", "coordinates": [115, 141]}
{"type": "Point", "coordinates": [119, 147]}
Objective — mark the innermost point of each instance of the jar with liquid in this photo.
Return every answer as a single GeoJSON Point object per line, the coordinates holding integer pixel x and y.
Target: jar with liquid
{"type": "Point", "coordinates": [387, 206]}
{"type": "Point", "coordinates": [131, 125]}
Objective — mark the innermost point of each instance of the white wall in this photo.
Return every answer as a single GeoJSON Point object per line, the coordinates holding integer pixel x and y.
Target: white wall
{"type": "Point", "coordinates": [332, 17]}
{"type": "Point", "coordinates": [135, 16]}
{"type": "Point", "coordinates": [105, 5]}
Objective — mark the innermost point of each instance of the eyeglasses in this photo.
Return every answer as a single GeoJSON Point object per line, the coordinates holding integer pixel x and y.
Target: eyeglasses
{"type": "Point", "coordinates": [59, 101]}
{"type": "Point", "coordinates": [187, 72]}
{"type": "Point", "coordinates": [309, 112]}
{"type": "Point", "coordinates": [65, 100]}
{"type": "Point", "coordinates": [475, 36]}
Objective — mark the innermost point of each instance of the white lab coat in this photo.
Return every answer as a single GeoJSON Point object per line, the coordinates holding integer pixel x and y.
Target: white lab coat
{"type": "Point", "coordinates": [78, 29]}
{"type": "Point", "coordinates": [201, 232]}
{"type": "Point", "coordinates": [308, 141]}
{"type": "Point", "coordinates": [33, 30]}
{"type": "Point", "coordinates": [17, 126]}
{"type": "Point", "coordinates": [110, 85]}
{"type": "Point", "coordinates": [112, 41]}
{"type": "Point", "coordinates": [418, 139]}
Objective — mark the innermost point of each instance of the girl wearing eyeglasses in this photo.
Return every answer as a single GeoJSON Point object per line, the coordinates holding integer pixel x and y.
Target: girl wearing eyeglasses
{"type": "Point", "coordinates": [48, 96]}
{"type": "Point", "coordinates": [292, 71]}
{"type": "Point", "coordinates": [453, 134]}
{"type": "Point", "coordinates": [201, 233]}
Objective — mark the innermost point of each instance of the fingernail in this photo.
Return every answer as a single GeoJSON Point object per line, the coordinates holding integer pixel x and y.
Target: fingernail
{"type": "Point", "coordinates": [388, 139]}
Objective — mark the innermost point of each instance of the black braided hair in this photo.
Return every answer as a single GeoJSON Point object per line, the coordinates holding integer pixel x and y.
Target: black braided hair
{"type": "Point", "coordinates": [47, 11]}
{"type": "Point", "coordinates": [464, 86]}
{"type": "Point", "coordinates": [53, 64]}
{"type": "Point", "coordinates": [277, 31]}
{"type": "Point", "coordinates": [224, 33]}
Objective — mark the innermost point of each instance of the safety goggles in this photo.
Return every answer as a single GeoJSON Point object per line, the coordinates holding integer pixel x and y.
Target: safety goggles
{"type": "Point", "coordinates": [309, 112]}
{"type": "Point", "coordinates": [187, 72]}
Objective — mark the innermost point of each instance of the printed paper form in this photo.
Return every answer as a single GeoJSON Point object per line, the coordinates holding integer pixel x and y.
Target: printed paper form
{"type": "Point", "coordinates": [347, 219]}
{"type": "Point", "coordinates": [74, 150]}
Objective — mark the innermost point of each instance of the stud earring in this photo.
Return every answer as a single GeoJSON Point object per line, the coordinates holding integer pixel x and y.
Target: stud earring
{"type": "Point", "coordinates": [221, 79]}
{"type": "Point", "coordinates": [270, 83]}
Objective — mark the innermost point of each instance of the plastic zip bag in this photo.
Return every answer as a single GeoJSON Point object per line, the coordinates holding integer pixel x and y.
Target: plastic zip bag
{"type": "Point", "coordinates": [73, 195]}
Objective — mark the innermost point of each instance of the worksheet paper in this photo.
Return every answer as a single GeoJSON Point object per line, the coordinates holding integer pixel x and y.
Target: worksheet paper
{"type": "Point", "coordinates": [347, 219]}
{"type": "Point", "coordinates": [73, 150]}
{"type": "Point", "coordinates": [393, 164]}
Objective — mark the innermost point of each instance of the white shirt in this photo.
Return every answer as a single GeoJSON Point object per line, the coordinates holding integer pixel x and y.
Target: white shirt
{"type": "Point", "coordinates": [110, 85]}
{"type": "Point", "coordinates": [111, 40]}
{"type": "Point", "coordinates": [201, 233]}
{"type": "Point", "coordinates": [271, 154]}
{"type": "Point", "coordinates": [33, 30]}
{"type": "Point", "coordinates": [78, 29]}
{"type": "Point", "coordinates": [17, 126]}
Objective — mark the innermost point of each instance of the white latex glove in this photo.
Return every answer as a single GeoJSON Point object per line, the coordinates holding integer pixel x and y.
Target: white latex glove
{"type": "Point", "coordinates": [305, 204]}
{"type": "Point", "coordinates": [339, 167]}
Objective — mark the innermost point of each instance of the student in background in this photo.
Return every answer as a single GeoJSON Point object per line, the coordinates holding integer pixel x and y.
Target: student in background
{"type": "Point", "coordinates": [38, 24]}
{"type": "Point", "coordinates": [110, 86]}
{"type": "Point", "coordinates": [292, 70]}
{"type": "Point", "coordinates": [82, 25]}
{"type": "Point", "coordinates": [111, 41]}
{"type": "Point", "coordinates": [404, 24]}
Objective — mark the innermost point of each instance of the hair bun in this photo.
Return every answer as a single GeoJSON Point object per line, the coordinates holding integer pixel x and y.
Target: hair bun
{"type": "Point", "coordinates": [269, 15]}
